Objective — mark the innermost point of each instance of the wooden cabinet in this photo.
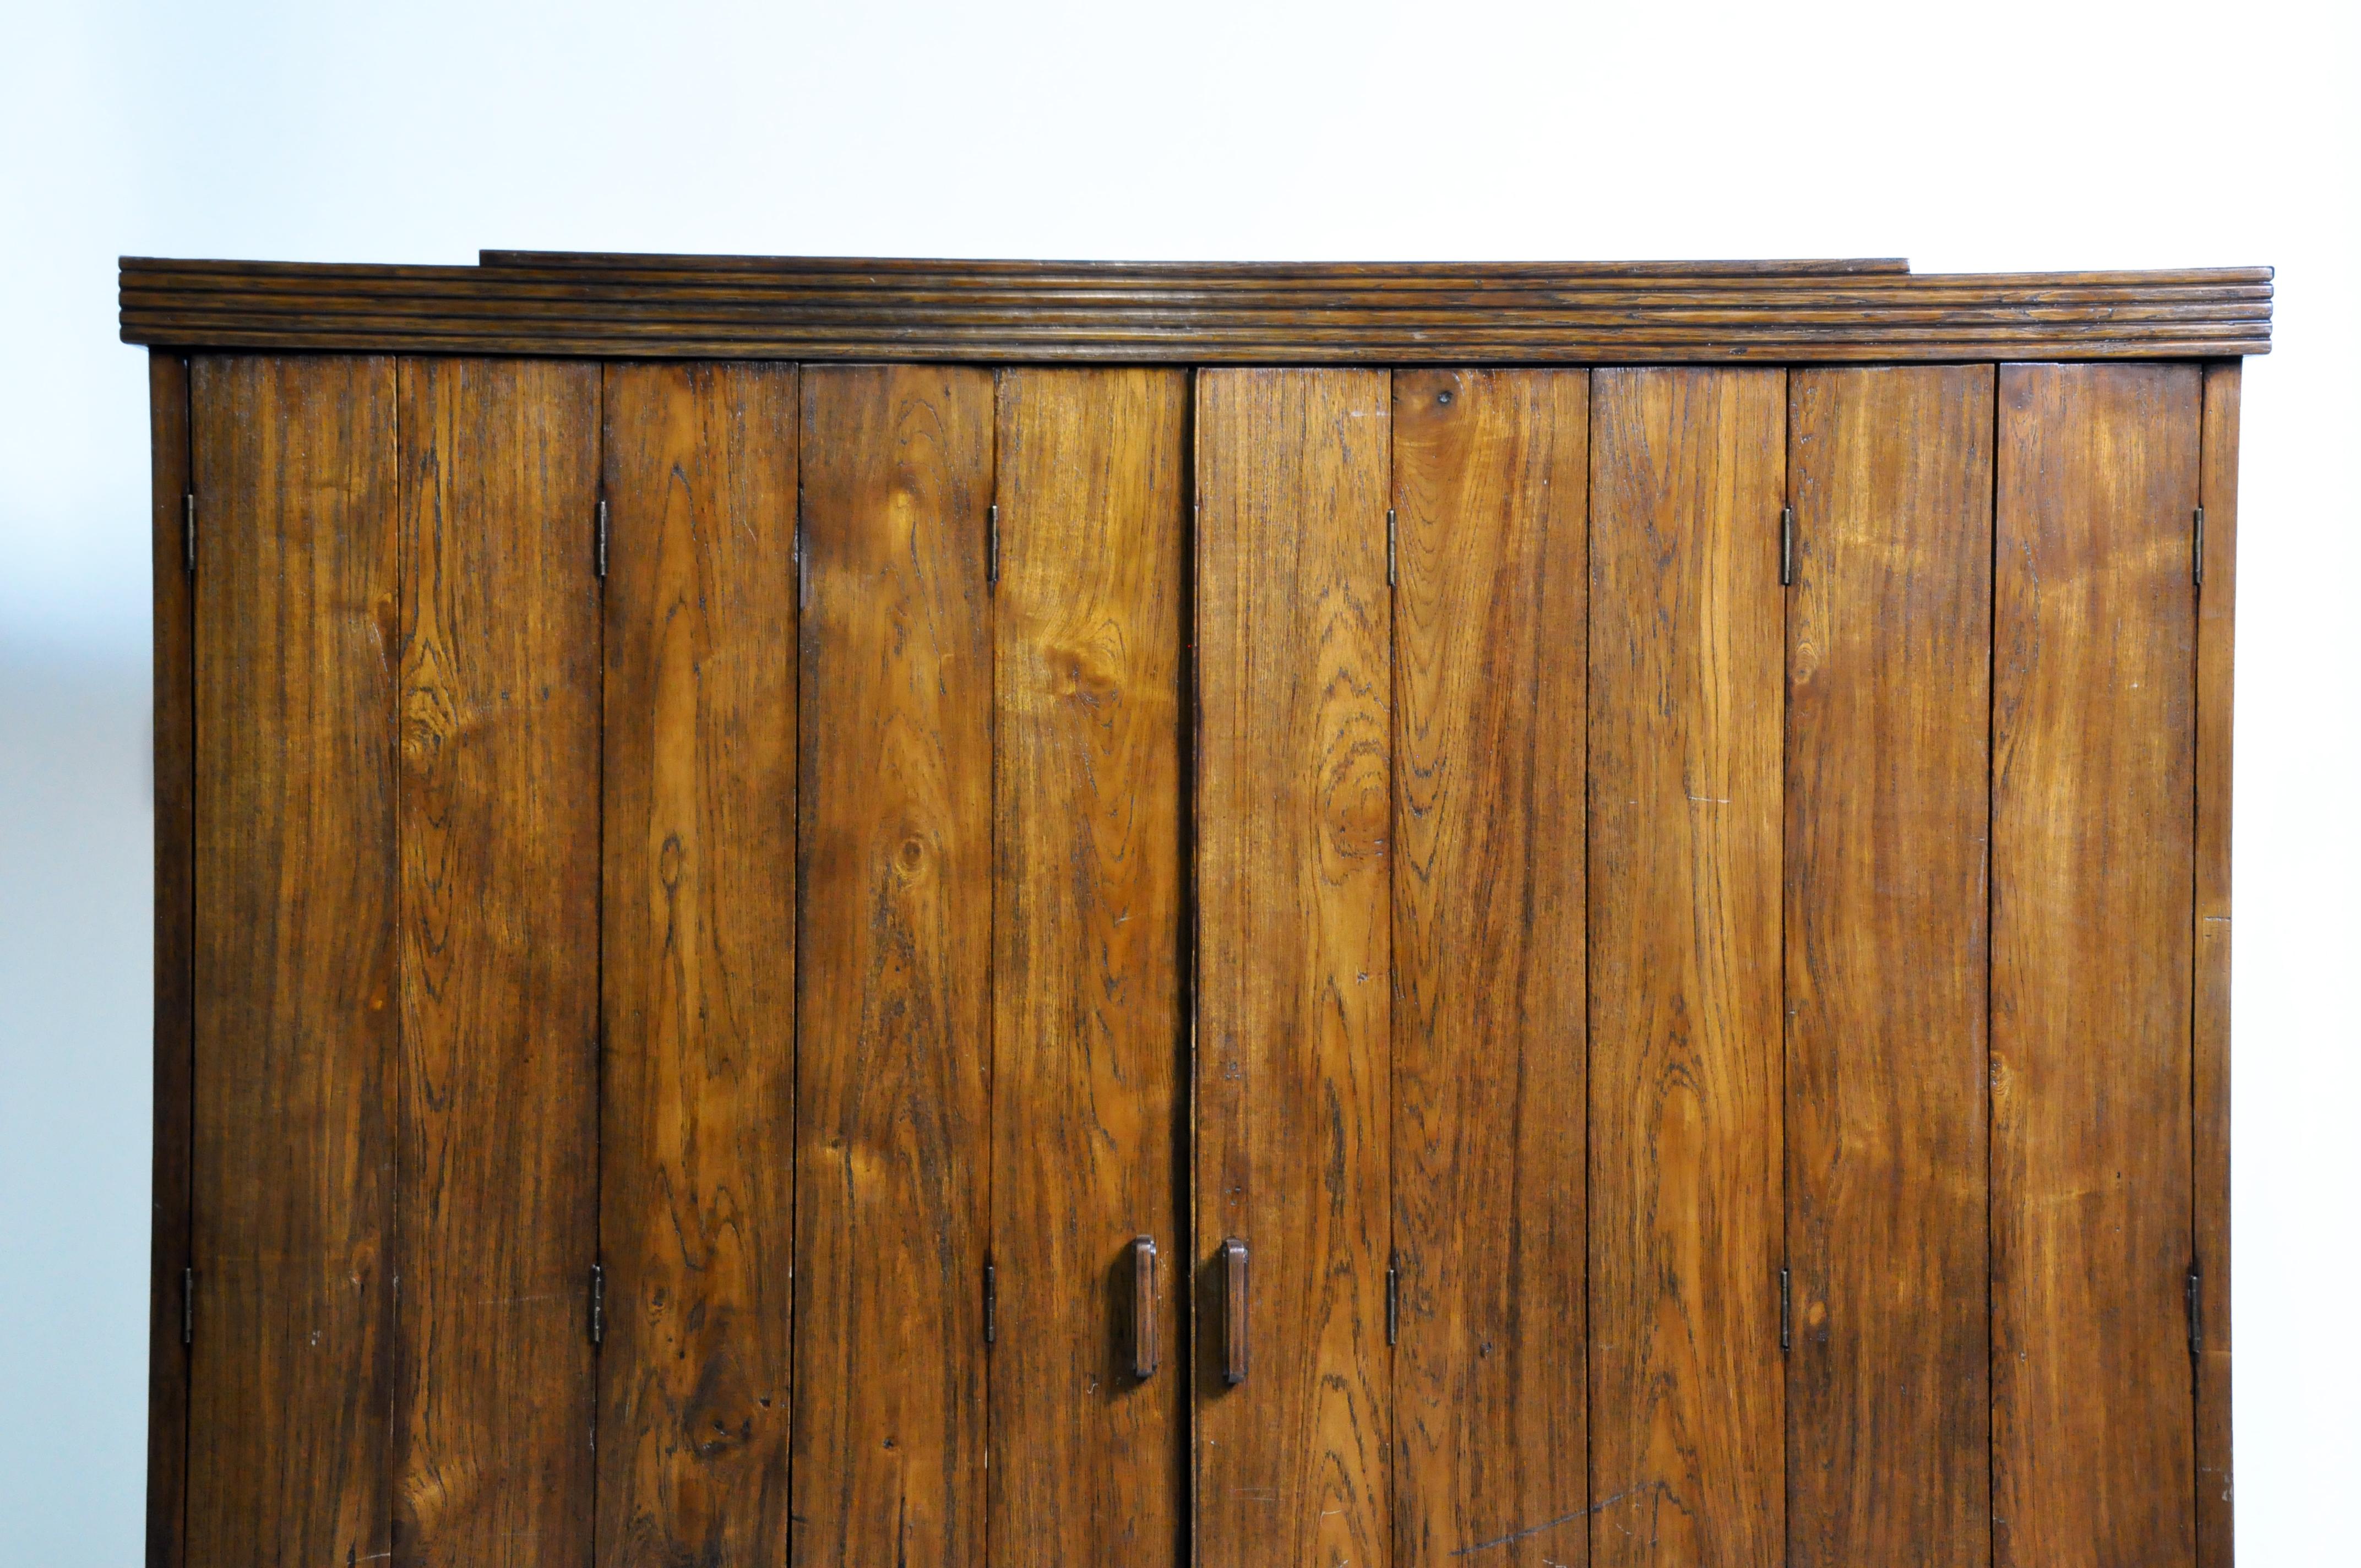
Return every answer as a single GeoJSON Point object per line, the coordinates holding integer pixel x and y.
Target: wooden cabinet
{"type": "Point", "coordinates": [896, 913]}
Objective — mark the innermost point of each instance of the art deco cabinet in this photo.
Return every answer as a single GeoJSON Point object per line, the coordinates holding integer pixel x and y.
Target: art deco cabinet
{"type": "Point", "coordinates": [1277, 916]}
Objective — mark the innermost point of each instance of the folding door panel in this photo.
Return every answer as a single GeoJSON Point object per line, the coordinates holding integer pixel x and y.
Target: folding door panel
{"type": "Point", "coordinates": [2093, 817]}
{"type": "Point", "coordinates": [1685, 651]}
{"type": "Point", "coordinates": [1293, 967]}
{"type": "Point", "coordinates": [1490, 476]}
{"type": "Point", "coordinates": [290, 1398]}
{"type": "Point", "coordinates": [1089, 1400]}
{"type": "Point", "coordinates": [1889, 652]}
{"type": "Point", "coordinates": [893, 1002]}
{"type": "Point", "coordinates": [499, 809]}
{"type": "Point", "coordinates": [695, 1163]}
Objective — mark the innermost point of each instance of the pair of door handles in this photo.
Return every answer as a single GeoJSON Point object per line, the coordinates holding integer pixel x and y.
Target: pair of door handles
{"type": "Point", "coordinates": [1144, 1357]}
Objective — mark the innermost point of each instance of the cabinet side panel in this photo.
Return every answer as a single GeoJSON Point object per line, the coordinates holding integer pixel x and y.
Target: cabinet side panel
{"type": "Point", "coordinates": [1089, 1028]}
{"type": "Point", "coordinates": [294, 977]}
{"type": "Point", "coordinates": [2094, 635]}
{"type": "Point", "coordinates": [499, 950]}
{"type": "Point", "coordinates": [698, 977]}
{"type": "Point", "coordinates": [894, 1069]}
{"type": "Point", "coordinates": [1492, 474]}
{"type": "Point", "coordinates": [175, 753]}
{"type": "Point", "coordinates": [1687, 632]}
{"type": "Point", "coordinates": [2217, 603]}
{"type": "Point", "coordinates": [1293, 960]}
{"type": "Point", "coordinates": [1889, 657]}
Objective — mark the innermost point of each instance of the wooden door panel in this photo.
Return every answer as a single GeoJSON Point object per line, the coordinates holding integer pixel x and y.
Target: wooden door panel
{"type": "Point", "coordinates": [1889, 654]}
{"type": "Point", "coordinates": [1490, 659]}
{"type": "Point", "coordinates": [1293, 957]}
{"type": "Point", "coordinates": [1089, 1025]}
{"type": "Point", "coordinates": [499, 959]}
{"type": "Point", "coordinates": [1686, 638]}
{"type": "Point", "coordinates": [2094, 713]}
{"type": "Point", "coordinates": [894, 1004]}
{"type": "Point", "coordinates": [290, 1397]}
{"type": "Point", "coordinates": [695, 1163]}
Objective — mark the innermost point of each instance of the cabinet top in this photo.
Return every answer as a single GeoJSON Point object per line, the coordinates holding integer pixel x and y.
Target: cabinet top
{"type": "Point", "coordinates": [820, 308]}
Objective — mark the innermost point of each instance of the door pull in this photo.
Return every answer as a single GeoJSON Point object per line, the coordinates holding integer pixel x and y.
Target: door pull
{"type": "Point", "coordinates": [1234, 1316]}
{"type": "Point", "coordinates": [1143, 1307]}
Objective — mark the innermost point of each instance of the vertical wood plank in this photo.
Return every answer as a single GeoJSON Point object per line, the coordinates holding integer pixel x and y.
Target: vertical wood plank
{"type": "Point", "coordinates": [1686, 633]}
{"type": "Point", "coordinates": [2217, 604]}
{"type": "Point", "coordinates": [499, 953]}
{"type": "Point", "coordinates": [1294, 928]}
{"type": "Point", "coordinates": [698, 1110]}
{"type": "Point", "coordinates": [2095, 629]}
{"type": "Point", "coordinates": [175, 895]}
{"type": "Point", "coordinates": [1889, 657]}
{"type": "Point", "coordinates": [294, 962]}
{"type": "Point", "coordinates": [1492, 477]}
{"type": "Point", "coordinates": [1088, 1030]}
{"type": "Point", "coordinates": [894, 1005]}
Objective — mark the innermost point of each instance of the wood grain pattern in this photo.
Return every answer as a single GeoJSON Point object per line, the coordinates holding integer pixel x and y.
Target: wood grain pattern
{"type": "Point", "coordinates": [499, 960]}
{"type": "Point", "coordinates": [1687, 469]}
{"type": "Point", "coordinates": [289, 1400]}
{"type": "Point", "coordinates": [1491, 480]}
{"type": "Point", "coordinates": [174, 657]}
{"type": "Point", "coordinates": [2217, 605]}
{"type": "Point", "coordinates": [895, 1006]}
{"type": "Point", "coordinates": [1889, 659]}
{"type": "Point", "coordinates": [1196, 312]}
{"type": "Point", "coordinates": [696, 1166]}
{"type": "Point", "coordinates": [1293, 628]}
{"type": "Point", "coordinates": [1089, 1028]}
{"type": "Point", "coordinates": [2094, 632]}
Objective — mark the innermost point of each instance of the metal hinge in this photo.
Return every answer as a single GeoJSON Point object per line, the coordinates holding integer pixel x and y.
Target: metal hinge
{"type": "Point", "coordinates": [598, 1304]}
{"type": "Point", "coordinates": [2197, 552]}
{"type": "Point", "coordinates": [992, 545]}
{"type": "Point", "coordinates": [2196, 1293]}
{"type": "Point", "coordinates": [1393, 1301]}
{"type": "Point", "coordinates": [1786, 1318]}
{"type": "Point", "coordinates": [803, 577]}
{"type": "Point", "coordinates": [602, 536]}
{"type": "Point", "coordinates": [189, 533]}
{"type": "Point", "coordinates": [1787, 546]}
{"type": "Point", "coordinates": [1389, 547]}
{"type": "Point", "coordinates": [991, 1306]}
{"type": "Point", "coordinates": [187, 1306]}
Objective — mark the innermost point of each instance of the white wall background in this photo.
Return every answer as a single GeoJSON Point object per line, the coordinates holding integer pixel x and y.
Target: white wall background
{"type": "Point", "coordinates": [2021, 134]}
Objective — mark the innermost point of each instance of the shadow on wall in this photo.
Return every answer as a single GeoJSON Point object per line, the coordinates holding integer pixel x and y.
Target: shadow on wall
{"type": "Point", "coordinates": [74, 1093]}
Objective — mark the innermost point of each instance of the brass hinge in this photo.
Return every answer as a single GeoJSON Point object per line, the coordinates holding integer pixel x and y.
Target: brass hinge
{"type": "Point", "coordinates": [189, 533]}
{"type": "Point", "coordinates": [602, 536]}
{"type": "Point", "coordinates": [1786, 1318]}
{"type": "Point", "coordinates": [1787, 546]}
{"type": "Point", "coordinates": [598, 1304]}
{"type": "Point", "coordinates": [1389, 547]}
{"type": "Point", "coordinates": [2196, 551]}
{"type": "Point", "coordinates": [2195, 1288]}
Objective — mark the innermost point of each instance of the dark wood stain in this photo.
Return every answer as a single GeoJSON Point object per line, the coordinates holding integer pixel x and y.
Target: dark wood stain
{"type": "Point", "coordinates": [1491, 479]}
{"type": "Point", "coordinates": [1688, 471]}
{"type": "Point", "coordinates": [2217, 604]}
{"type": "Point", "coordinates": [894, 981]}
{"type": "Point", "coordinates": [289, 1399]}
{"type": "Point", "coordinates": [1293, 957]}
{"type": "Point", "coordinates": [2093, 779]}
{"type": "Point", "coordinates": [824, 309]}
{"type": "Point", "coordinates": [696, 1163]}
{"type": "Point", "coordinates": [1889, 655]}
{"type": "Point", "coordinates": [1089, 1024]}
{"type": "Point", "coordinates": [499, 738]}
{"type": "Point", "coordinates": [175, 736]}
